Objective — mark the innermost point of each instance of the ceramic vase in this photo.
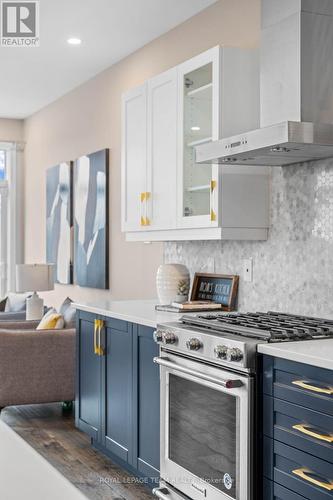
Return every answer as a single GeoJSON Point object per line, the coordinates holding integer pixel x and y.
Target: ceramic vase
{"type": "Point", "coordinates": [173, 283]}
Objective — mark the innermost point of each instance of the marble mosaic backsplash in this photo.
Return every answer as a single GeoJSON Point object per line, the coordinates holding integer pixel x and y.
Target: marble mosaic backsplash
{"type": "Point", "coordinates": [293, 269]}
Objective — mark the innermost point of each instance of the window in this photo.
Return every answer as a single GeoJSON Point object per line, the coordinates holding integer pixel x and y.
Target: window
{"type": "Point", "coordinates": [2, 165]}
{"type": "Point", "coordinates": [3, 224]}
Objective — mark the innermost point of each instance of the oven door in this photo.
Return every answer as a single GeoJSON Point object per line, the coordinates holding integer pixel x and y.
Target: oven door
{"type": "Point", "coordinates": [205, 429]}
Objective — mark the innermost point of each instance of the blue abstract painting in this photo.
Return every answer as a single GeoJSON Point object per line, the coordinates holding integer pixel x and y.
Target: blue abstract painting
{"type": "Point", "coordinates": [91, 213]}
{"type": "Point", "coordinates": [59, 221]}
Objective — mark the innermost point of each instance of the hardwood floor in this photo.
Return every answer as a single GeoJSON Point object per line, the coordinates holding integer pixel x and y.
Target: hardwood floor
{"type": "Point", "coordinates": [52, 433]}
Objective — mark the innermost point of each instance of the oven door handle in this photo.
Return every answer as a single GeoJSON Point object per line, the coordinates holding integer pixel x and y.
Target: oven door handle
{"type": "Point", "coordinates": [227, 383]}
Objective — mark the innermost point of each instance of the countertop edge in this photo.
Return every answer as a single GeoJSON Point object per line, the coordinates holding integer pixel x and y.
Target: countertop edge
{"type": "Point", "coordinates": [116, 315]}
{"type": "Point", "coordinates": [278, 351]}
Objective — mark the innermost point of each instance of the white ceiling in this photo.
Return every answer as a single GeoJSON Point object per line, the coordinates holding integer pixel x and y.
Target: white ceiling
{"type": "Point", "coordinates": [31, 78]}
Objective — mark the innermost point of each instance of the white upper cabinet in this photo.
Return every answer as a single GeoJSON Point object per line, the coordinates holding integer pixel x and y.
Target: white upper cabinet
{"type": "Point", "coordinates": [162, 151]}
{"type": "Point", "coordinates": [166, 195]}
{"type": "Point", "coordinates": [134, 159]}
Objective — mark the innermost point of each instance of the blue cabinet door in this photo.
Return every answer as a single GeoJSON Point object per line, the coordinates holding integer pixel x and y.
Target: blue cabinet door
{"type": "Point", "coordinates": [147, 403]}
{"type": "Point", "coordinates": [88, 379]}
{"type": "Point", "coordinates": [117, 391]}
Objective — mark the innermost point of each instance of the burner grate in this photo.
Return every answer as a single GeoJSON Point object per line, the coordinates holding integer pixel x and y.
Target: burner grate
{"type": "Point", "coordinates": [271, 326]}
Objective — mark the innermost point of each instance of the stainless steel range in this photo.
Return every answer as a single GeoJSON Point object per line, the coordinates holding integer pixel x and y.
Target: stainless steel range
{"type": "Point", "coordinates": [208, 366]}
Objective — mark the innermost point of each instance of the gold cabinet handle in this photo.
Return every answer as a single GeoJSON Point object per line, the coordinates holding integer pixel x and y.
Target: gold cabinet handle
{"type": "Point", "coordinates": [313, 478]}
{"type": "Point", "coordinates": [213, 184]}
{"type": "Point", "coordinates": [96, 323]}
{"type": "Point", "coordinates": [142, 201]}
{"type": "Point", "coordinates": [100, 350]}
{"type": "Point", "coordinates": [144, 198]}
{"type": "Point", "coordinates": [314, 388]}
{"type": "Point", "coordinates": [304, 429]}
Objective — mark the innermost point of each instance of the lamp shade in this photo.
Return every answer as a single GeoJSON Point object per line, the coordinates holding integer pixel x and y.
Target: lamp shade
{"type": "Point", "coordinates": [34, 277]}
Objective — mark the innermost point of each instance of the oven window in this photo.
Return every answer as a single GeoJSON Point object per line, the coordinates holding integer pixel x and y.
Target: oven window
{"type": "Point", "coordinates": [203, 432]}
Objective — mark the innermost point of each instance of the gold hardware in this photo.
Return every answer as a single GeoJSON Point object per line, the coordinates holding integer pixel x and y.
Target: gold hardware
{"type": "Point", "coordinates": [303, 473]}
{"type": "Point", "coordinates": [96, 323]}
{"type": "Point", "coordinates": [323, 437]}
{"type": "Point", "coordinates": [100, 351]}
{"type": "Point", "coordinates": [144, 196]}
{"type": "Point", "coordinates": [213, 185]}
{"type": "Point", "coordinates": [313, 388]}
{"type": "Point", "coordinates": [212, 215]}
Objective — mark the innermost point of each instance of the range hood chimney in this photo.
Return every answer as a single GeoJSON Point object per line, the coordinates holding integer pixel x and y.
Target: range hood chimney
{"type": "Point", "coordinates": [296, 90]}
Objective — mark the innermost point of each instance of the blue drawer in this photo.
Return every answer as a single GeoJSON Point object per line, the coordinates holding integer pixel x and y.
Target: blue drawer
{"type": "Point", "coordinates": [273, 491]}
{"type": "Point", "coordinates": [304, 429]}
{"type": "Point", "coordinates": [300, 384]}
{"type": "Point", "coordinates": [299, 472]}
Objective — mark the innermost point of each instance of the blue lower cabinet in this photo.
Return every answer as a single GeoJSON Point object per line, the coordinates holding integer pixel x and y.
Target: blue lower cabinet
{"type": "Point", "coordinates": [117, 392]}
{"type": "Point", "coordinates": [88, 379]}
{"type": "Point", "coordinates": [273, 491]}
{"type": "Point", "coordinates": [147, 403]}
{"type": "Point", "coordinates": [298, 431]}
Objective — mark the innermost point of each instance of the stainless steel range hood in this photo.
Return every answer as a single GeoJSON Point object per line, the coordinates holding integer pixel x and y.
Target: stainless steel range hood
{"type": "Point", "coordinates": [296, 93]}
{"type": "Point", "coordinates": [282, 144]}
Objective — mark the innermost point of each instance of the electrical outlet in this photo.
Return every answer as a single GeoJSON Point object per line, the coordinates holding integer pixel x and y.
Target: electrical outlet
{"type": "Point", "coordinates": [248, 270]}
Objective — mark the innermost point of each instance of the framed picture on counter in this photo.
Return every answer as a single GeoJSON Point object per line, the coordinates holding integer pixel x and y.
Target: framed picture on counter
{"type": "Point", "coordinates": [220, 288]}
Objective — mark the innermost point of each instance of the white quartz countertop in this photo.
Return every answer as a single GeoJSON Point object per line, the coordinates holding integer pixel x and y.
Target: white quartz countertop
{"type": "Point", "coordinates": [24, 474]}
{"type": "Point", "coordinates": [141, 312]}
{"type": "Point", "coordinates": [311, 352]}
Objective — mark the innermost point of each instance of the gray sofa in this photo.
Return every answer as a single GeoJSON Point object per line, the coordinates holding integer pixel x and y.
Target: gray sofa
{"type": "Point", "coordinates": [12, 316]}
{"type": "Point", "coordinates": [36, 366]}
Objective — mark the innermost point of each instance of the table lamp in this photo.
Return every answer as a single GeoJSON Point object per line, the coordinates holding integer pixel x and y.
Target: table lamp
{"type": "Point", "coordinates": [33, 278]}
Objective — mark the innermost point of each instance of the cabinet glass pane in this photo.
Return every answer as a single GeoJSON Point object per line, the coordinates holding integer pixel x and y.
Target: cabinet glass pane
{"type": "Point", "coordinates": [197, 130]}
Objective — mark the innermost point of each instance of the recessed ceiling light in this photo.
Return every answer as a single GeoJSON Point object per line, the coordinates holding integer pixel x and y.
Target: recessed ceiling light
{"type": "Point", "coordinates": [195, 128]}
{"type": "Point", "coordinates": [74, 41]}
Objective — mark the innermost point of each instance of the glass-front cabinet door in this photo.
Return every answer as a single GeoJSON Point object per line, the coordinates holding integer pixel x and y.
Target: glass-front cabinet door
{"type": "Point", "coordinates": [198, 86]}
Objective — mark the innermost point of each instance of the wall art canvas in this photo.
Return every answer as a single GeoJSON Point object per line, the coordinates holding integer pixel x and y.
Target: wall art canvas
{"type": "Point", "coordinates": [91, 220]}
{"type": "Point", "coordinates": [59, 221]}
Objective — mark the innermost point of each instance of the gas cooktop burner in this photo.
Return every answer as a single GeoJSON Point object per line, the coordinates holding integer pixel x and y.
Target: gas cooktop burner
{"type": "Point", "coordinates": [270, 326]}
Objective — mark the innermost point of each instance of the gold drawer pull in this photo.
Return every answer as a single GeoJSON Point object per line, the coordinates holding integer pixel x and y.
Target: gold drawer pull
{"type": "Point", "coordinates": [314, 388]}
{"type": "Point", "coordinates": [313, 478]}
{"type": "Point", "coordinates": [304, 429]}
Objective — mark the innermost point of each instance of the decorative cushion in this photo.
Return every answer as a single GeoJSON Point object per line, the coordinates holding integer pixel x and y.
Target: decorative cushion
{"type": "Point", "coordinates": [68, 312]}
{"type": "Point", "coordinates": [3, 304]}
{"type": "Point", "coordinates": [51, 321]}
{"type": "Point", "coordinates": [16, 302]}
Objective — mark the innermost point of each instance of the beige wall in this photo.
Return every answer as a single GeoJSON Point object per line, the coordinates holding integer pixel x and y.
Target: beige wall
{"type": "Point", "coordinates": [89, 118]}
{"type": "Point", "coordinates": [11, 130]}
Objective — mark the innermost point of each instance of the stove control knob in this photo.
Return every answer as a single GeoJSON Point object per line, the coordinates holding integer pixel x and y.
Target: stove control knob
{"type": "Point", "coordinates": [193, 344]}
{"type": "Point", "coordinates": [234, 354]}
{"type": "Point", "coordinates": [158, 336]}
{"type": "Point", "coordinates": [169, 338]}
{"type": "Point", "coordinates": [221, 351]}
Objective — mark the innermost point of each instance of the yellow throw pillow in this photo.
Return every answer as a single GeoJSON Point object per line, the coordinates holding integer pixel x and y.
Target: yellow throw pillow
{"type": "Point", "coordinates": [53, 321]}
